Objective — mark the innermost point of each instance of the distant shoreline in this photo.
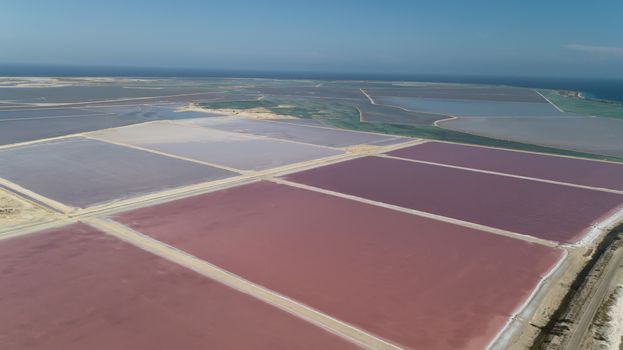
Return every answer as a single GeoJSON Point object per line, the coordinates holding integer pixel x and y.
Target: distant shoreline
{"type": "Point", "coordinates": [582, 96]}
{"type": "Point", "coordinates": [598, 89]}
{"type": "Point", "coordinates": [576, 94]}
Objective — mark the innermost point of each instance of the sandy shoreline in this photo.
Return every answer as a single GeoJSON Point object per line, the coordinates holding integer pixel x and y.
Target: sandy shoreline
{"type": "Point", "coordinates": [612, 329]}
{"type": "Point", "coordinates": [16, 212]}
{"type": "Point", "coordinates": [522, 327]}
{"type": "Point", "coordinates": [251, 113]}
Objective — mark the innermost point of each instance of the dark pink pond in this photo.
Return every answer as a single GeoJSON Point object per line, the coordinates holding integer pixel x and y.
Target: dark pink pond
{"type": "Point", "coordinates": [78, 288]}
{"type": "Point", "coordinates": [416, 282]}
{"type": "Point", "coordinates": [549, 211]}
{"type": "Point", "coordinates": [562, 169]}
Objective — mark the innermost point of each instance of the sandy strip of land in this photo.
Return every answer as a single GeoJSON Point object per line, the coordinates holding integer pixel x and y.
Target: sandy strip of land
{"type": "Point", "coordinates": [259, 113]}
{"type": "Point", "coordinates": [614, 333]}
{"type": "Point", "coordinates": [550, 102]}
{"type": "Point", "coordinates": [16, 212]}
{"type": "Point", "coordinates": [367, 96]}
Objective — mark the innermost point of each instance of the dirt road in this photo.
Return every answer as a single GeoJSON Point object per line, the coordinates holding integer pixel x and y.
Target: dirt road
{"type": "Point", "coordinates": [581, 327]}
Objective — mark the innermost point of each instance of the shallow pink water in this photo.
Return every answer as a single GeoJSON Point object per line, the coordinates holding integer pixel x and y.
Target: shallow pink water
{"type": "Point", "coordinates": [77, 288]}
{"type": "Point", "coordinates": [571, 170]}
{"type": "Point", "coordinates": [416, 282]}
{"type": "Point", "coordinates": [549, 211]}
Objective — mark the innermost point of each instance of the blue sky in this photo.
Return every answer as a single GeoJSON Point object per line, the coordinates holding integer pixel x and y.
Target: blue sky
{"type": "Point", "coordinates": [535, 38]}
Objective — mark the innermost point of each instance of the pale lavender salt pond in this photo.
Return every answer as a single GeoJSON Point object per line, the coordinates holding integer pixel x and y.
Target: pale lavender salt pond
{"type": "Point", "coordinates": [81, 172]}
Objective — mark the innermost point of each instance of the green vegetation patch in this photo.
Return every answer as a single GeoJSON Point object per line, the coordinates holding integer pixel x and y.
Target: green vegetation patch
{"type": "Point", "coordinates": [572, 104]}
{"type": "Point", "coordinates": [340, 114]}
{"type": "Point", "coordinates": [305, 108]}
{"type": "Point", "coordinates": [436, 133]}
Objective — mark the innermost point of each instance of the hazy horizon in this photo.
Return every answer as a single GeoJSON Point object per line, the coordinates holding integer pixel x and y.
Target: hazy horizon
{"type": "Point", "coordinates": [553, 39]}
